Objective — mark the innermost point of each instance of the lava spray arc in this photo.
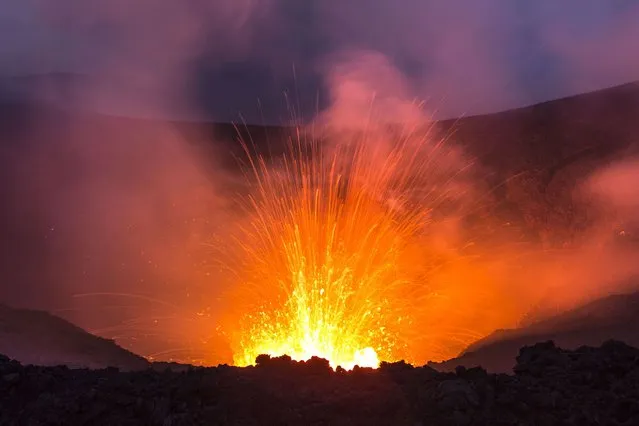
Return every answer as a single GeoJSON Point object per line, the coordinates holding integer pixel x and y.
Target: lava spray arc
{"type": "Point", "coordinates": [331, 260]}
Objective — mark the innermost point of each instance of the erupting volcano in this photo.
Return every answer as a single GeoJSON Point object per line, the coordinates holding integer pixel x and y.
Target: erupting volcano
{"type": "Point", "coordinates": [331, 260]}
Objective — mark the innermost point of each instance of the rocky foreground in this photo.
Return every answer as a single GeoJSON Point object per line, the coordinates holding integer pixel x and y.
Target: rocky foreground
{"type": "Point", "coordinates": [550, 386]}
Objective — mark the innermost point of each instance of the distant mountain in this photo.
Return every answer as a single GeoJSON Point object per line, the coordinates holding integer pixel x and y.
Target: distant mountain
{"type": "Point", "coordinates": [546, 138]}
{"type": "Point", "coordinates": [548, 134]}
{"type": "Point", "coordinates": [613, 317]}
{"type": "Point", "coordinates": [40, 338]}
{"type": "Point", "coordinates": [554, 134]}
{"type": "Point", "coordinates": [235, 92]}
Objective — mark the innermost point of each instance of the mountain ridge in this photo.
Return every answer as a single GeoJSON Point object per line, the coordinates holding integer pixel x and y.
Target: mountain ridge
{"type": "Point", "coordinates": [41, 338]}
{"type": "Point", "coordinates": [591, 324]}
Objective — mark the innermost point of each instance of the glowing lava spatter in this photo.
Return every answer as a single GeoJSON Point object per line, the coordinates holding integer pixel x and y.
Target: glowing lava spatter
{"type": "Point", "coordinates": [327, 262]}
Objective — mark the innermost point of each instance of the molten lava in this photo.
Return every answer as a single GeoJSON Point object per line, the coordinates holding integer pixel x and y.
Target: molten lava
{"type": "Point", "coordinates": [328, 263]}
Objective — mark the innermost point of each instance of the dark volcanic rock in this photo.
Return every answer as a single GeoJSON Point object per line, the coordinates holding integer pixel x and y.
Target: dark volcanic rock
{"type": "Point", "coordinates": [586, 386]}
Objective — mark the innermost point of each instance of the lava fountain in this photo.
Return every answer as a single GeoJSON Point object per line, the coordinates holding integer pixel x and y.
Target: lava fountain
{"type": "Point", "coordinates": [330, 261]}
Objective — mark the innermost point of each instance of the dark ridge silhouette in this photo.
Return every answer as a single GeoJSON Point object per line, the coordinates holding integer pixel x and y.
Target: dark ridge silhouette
{"type": "Point", "coordinates": [613, 317]}
{"type": "Point", "coordinates": [40, 338]}
{"type": "Point", "coordinates": [551, 136]}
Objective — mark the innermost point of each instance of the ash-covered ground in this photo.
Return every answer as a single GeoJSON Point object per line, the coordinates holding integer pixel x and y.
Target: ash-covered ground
{"type": "Point", "coordinates": [550, 386]}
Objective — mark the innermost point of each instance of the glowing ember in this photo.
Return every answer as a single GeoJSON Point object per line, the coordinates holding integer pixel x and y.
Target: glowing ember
{"type": "Point", "coordinates": [329, 262]}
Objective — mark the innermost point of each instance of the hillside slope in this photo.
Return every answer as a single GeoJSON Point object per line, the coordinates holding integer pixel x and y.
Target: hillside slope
{"type": "Point", "coordinates": [40, 338]}
{"type": "Point", "coordinates": [613, 317]}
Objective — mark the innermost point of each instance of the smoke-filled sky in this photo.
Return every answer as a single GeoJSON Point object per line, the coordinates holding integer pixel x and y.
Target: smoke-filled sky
{"type": "Point", "coordinates": [219, 57]}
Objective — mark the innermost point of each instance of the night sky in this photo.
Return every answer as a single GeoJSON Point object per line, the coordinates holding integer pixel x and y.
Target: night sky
{"type": "Point", "coordinates": [218, 57]}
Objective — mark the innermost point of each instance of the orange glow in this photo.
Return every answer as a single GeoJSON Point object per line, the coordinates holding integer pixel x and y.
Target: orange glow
{"type": "Point", "coordinates": [331, 262]}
